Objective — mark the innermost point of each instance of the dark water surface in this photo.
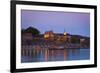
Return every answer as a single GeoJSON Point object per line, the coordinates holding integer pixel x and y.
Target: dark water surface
{"type": "Point", "coordinates": [56, 55]}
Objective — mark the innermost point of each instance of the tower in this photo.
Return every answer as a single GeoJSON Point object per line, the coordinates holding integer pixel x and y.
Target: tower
{"type": "Point", "coordinates": [65, 33]}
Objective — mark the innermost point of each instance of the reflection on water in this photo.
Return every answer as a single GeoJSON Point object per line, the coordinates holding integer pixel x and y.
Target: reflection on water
{"type": "Point", "coordinates": [42, 55]}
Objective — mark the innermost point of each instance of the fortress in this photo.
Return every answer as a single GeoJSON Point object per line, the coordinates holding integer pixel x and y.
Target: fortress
{"type": "Point", "coordinates": [51, 36]}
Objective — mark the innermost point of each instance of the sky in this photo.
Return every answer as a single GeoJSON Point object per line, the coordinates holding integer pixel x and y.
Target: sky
{"type": "Point", "coordinates": [72, 22]}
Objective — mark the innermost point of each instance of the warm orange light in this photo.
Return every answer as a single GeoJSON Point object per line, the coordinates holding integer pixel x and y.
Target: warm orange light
{"type": "Point", "coordinates": [46, 36]}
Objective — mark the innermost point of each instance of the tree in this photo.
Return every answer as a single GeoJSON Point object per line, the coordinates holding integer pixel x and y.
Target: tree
{"type": "Point", "coordinates": [75, 39]}
{"type": "Point", "coordinates": [33, 30]}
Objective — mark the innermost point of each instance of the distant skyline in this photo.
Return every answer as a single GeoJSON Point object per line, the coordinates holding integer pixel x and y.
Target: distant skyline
{"type": "Point", "coordinates": [72, 22]}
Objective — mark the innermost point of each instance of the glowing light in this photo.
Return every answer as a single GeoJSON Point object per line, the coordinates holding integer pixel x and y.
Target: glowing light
{"type": "Point", "coordinates": [65, 33]}
{"type": "Point", "coordinates": [46, 36]}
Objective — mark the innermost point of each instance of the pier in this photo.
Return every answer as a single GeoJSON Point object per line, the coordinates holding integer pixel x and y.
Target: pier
{"type": "Point", "coordinates": [29, 50]}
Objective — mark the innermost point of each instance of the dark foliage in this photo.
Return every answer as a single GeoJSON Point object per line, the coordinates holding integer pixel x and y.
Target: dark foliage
{"type": "Point", "coordinates": [32, 30]}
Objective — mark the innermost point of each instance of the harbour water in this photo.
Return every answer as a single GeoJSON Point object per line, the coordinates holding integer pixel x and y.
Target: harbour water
{"type": "Point", "coordinates": [47, 55]}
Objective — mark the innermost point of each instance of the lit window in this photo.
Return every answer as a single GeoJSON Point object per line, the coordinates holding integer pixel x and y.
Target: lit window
{"type": "Point", "coordinates": [46, 36]}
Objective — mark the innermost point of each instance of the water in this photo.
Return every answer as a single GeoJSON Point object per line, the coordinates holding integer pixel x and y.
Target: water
{"type": "Point", "coordinates": [46, 55]}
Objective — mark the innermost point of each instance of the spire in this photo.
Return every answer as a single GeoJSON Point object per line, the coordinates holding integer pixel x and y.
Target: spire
{"type": "Point", "coordinates": [65, 32]}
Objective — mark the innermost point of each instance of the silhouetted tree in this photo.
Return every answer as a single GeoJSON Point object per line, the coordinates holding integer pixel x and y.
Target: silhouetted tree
{"type": "Point", "coordinates": [32, 30]}
{"type": "Point", "coordinates": [75, 40]}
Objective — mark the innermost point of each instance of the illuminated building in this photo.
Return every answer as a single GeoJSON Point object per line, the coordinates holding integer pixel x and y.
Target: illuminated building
{"type": "Point", "coordinates": [49, 35]}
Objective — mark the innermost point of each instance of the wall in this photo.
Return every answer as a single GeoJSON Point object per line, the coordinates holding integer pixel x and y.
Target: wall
{"type": "Point", "coordinates": [5, 37]}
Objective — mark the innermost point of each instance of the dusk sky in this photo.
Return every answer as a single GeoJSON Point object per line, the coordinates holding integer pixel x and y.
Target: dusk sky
{"type": "Point", "coordinates": [72, 22]}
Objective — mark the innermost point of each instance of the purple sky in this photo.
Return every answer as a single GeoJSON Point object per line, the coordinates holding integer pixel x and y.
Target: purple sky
{"type": "Point", "coordinates": [71, 22]}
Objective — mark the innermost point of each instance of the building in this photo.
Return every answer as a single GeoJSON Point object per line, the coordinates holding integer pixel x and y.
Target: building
{"type": "Point", "coordinates": [49, 35]}
{"type": "Point", "coordinates": [26, 38]}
